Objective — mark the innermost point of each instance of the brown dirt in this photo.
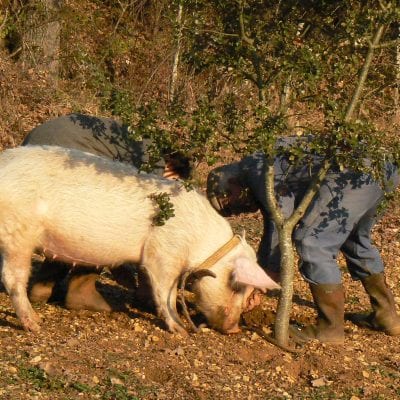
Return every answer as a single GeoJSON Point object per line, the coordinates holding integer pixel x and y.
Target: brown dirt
{"type": "Point", "coordinates": [129, 355]}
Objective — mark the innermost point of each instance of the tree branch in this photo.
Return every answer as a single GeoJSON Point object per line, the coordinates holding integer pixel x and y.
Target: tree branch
{"type": "Point", "coordinates": [255, 59]}
{"type": "Point", "coordinates": [174, 77]}
{"type": "Point", "coordinates": [311, 191]}
{"type": "Point", "coordinates": [273, 207]}
{"type": "Point", "coordinates": [3, 24]}
{"type": "Point", "coordinates": [363, 75]}
{"type": "Point", "coordinates": [243, 35]}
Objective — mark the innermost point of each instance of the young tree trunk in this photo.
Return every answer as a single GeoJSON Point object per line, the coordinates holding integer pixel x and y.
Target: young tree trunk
{"type": "Point", "coordinates": [41, 40]}
{"type": "Point", "coordinates": [175, 65]}
{"type": "Point", "coordinates": [397, 86]}
{"type": "Point", "coordinates": [286, 227]}
{"type": "Point", "coordinates": [287, 276]}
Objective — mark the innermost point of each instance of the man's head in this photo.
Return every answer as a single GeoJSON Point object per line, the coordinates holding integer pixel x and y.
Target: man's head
{"type": "Point", "coordinates": [177, 166]}
{"type": "Point", "coordinates": [227, 193]}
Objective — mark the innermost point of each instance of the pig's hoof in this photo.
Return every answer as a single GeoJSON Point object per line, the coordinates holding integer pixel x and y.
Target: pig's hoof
{"type": "Point", "coordinates": [30, 325]}
{"type": "Point", "coordinates": [176, 328]}
{"type": "Point", "coordinates": [36, 318]}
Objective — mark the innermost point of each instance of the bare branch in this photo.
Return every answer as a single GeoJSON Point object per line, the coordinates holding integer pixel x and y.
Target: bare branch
{"type": "Point", "coordinates": [273, 206]}
{"type": "Point", "coordinates": [363, 75]}
{"type": "Point", "coordinates": [397, 82]}
{"type": "Point", "coordinates": [243, 34]}
{"type": "Point", "coordinates": [3, 24]}
{"type": "Point", "coordinates": [175, 64]}
{"type": "Point", "coordinates": [162, 62]}
{"type": "Point", "coordinates": [311, 191]}
{"type": "Point", "coordinates": [14, 53]}
{"type": "Point", "coordinates": [390, 43]}
{"type": "Point", "coordinates": [124, 8]}
{"type": "Point", "coordinates": [233, 35]}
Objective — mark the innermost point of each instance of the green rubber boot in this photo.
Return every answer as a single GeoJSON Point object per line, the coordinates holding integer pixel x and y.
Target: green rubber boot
{"type": "Point", "coordinates": [383, 316]}
{"type": "Point", "coordinates": [329, 328]}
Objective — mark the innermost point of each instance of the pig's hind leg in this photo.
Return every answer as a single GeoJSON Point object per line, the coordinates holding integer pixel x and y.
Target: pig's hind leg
{"type": "Point", "coordinates": [15, 274]}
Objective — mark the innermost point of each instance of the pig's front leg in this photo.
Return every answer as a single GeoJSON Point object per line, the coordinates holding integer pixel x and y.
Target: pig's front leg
{"type": "Point", "coordinates": [15, 275]}
{"type": "Point", "coordinates": [165, 293]}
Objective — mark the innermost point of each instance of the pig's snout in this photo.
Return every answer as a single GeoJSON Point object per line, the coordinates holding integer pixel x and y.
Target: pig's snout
{"type": "Point", "coordinates": [252, 301]}
{"type": "Point", "coordinates": [223, 319]}
{"type": "Point", "coordinates": [229, 321]}
{"type": "Point", "coordinates": [231, 327]}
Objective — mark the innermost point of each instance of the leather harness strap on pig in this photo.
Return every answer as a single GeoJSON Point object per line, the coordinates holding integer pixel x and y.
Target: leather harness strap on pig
{"type": "Point", "coordinates": [217, 255]}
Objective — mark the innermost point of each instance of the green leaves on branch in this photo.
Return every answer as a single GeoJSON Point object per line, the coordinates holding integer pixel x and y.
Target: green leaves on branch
{"type": "Point", "coordinates": [176, 129]}
{"type": "Point", "coordinates": [165, 209]}
{"type": "Point", "coordinates": [293, 68]}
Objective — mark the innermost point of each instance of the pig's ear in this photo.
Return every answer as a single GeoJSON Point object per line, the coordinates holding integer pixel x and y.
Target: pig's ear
{"type": "Point", "coordinates": [247, 272]}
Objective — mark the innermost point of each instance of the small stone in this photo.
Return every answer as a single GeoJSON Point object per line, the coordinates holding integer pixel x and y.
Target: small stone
{"type": "Point", "coordinates": [260, 371]}
{"type": "Point", "coordinates": [365, 374]}
{"type": "Point", "coordinates": [95, 380]}
{"type": "Point", "coordinates": [197, 363]}
{"type": "Point", "coordinates": [35, 360]}
{"type": "Point", "coordinates": [48, 367]}
{"type": "Point", "coordinates": [12, 369]}
{"type": "Point", "coordinates": [267, 330]}
{"type": "Point", "coordinates": [116, 381]}
{"type": "Point", "coordinates": [73, 342]}
{"type": "Point", "coordinates": [254, 336]}
{"type": "Point", "coordinates": [319, 382]}
{"type": "Point", "coordinates": [246, 378]}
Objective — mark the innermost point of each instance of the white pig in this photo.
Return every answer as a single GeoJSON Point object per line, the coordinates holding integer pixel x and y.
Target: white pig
{"type": "Point", "coordinates": [84, 209]}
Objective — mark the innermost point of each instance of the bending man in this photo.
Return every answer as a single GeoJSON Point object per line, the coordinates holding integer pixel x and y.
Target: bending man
{"type": "Point", "coordinates": [340, 218]}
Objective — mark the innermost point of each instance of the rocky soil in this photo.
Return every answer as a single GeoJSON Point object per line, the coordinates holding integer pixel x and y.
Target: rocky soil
{"type": "Point", "coordinates": [129, 355]}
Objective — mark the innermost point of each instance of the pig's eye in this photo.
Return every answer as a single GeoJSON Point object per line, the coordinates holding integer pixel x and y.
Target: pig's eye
{"type": "Point", "coordinates": [236, 288]}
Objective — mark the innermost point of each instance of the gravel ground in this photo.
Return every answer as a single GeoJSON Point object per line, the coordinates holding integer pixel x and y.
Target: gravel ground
{"type": "Point", "coordinates": [129, 355]}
